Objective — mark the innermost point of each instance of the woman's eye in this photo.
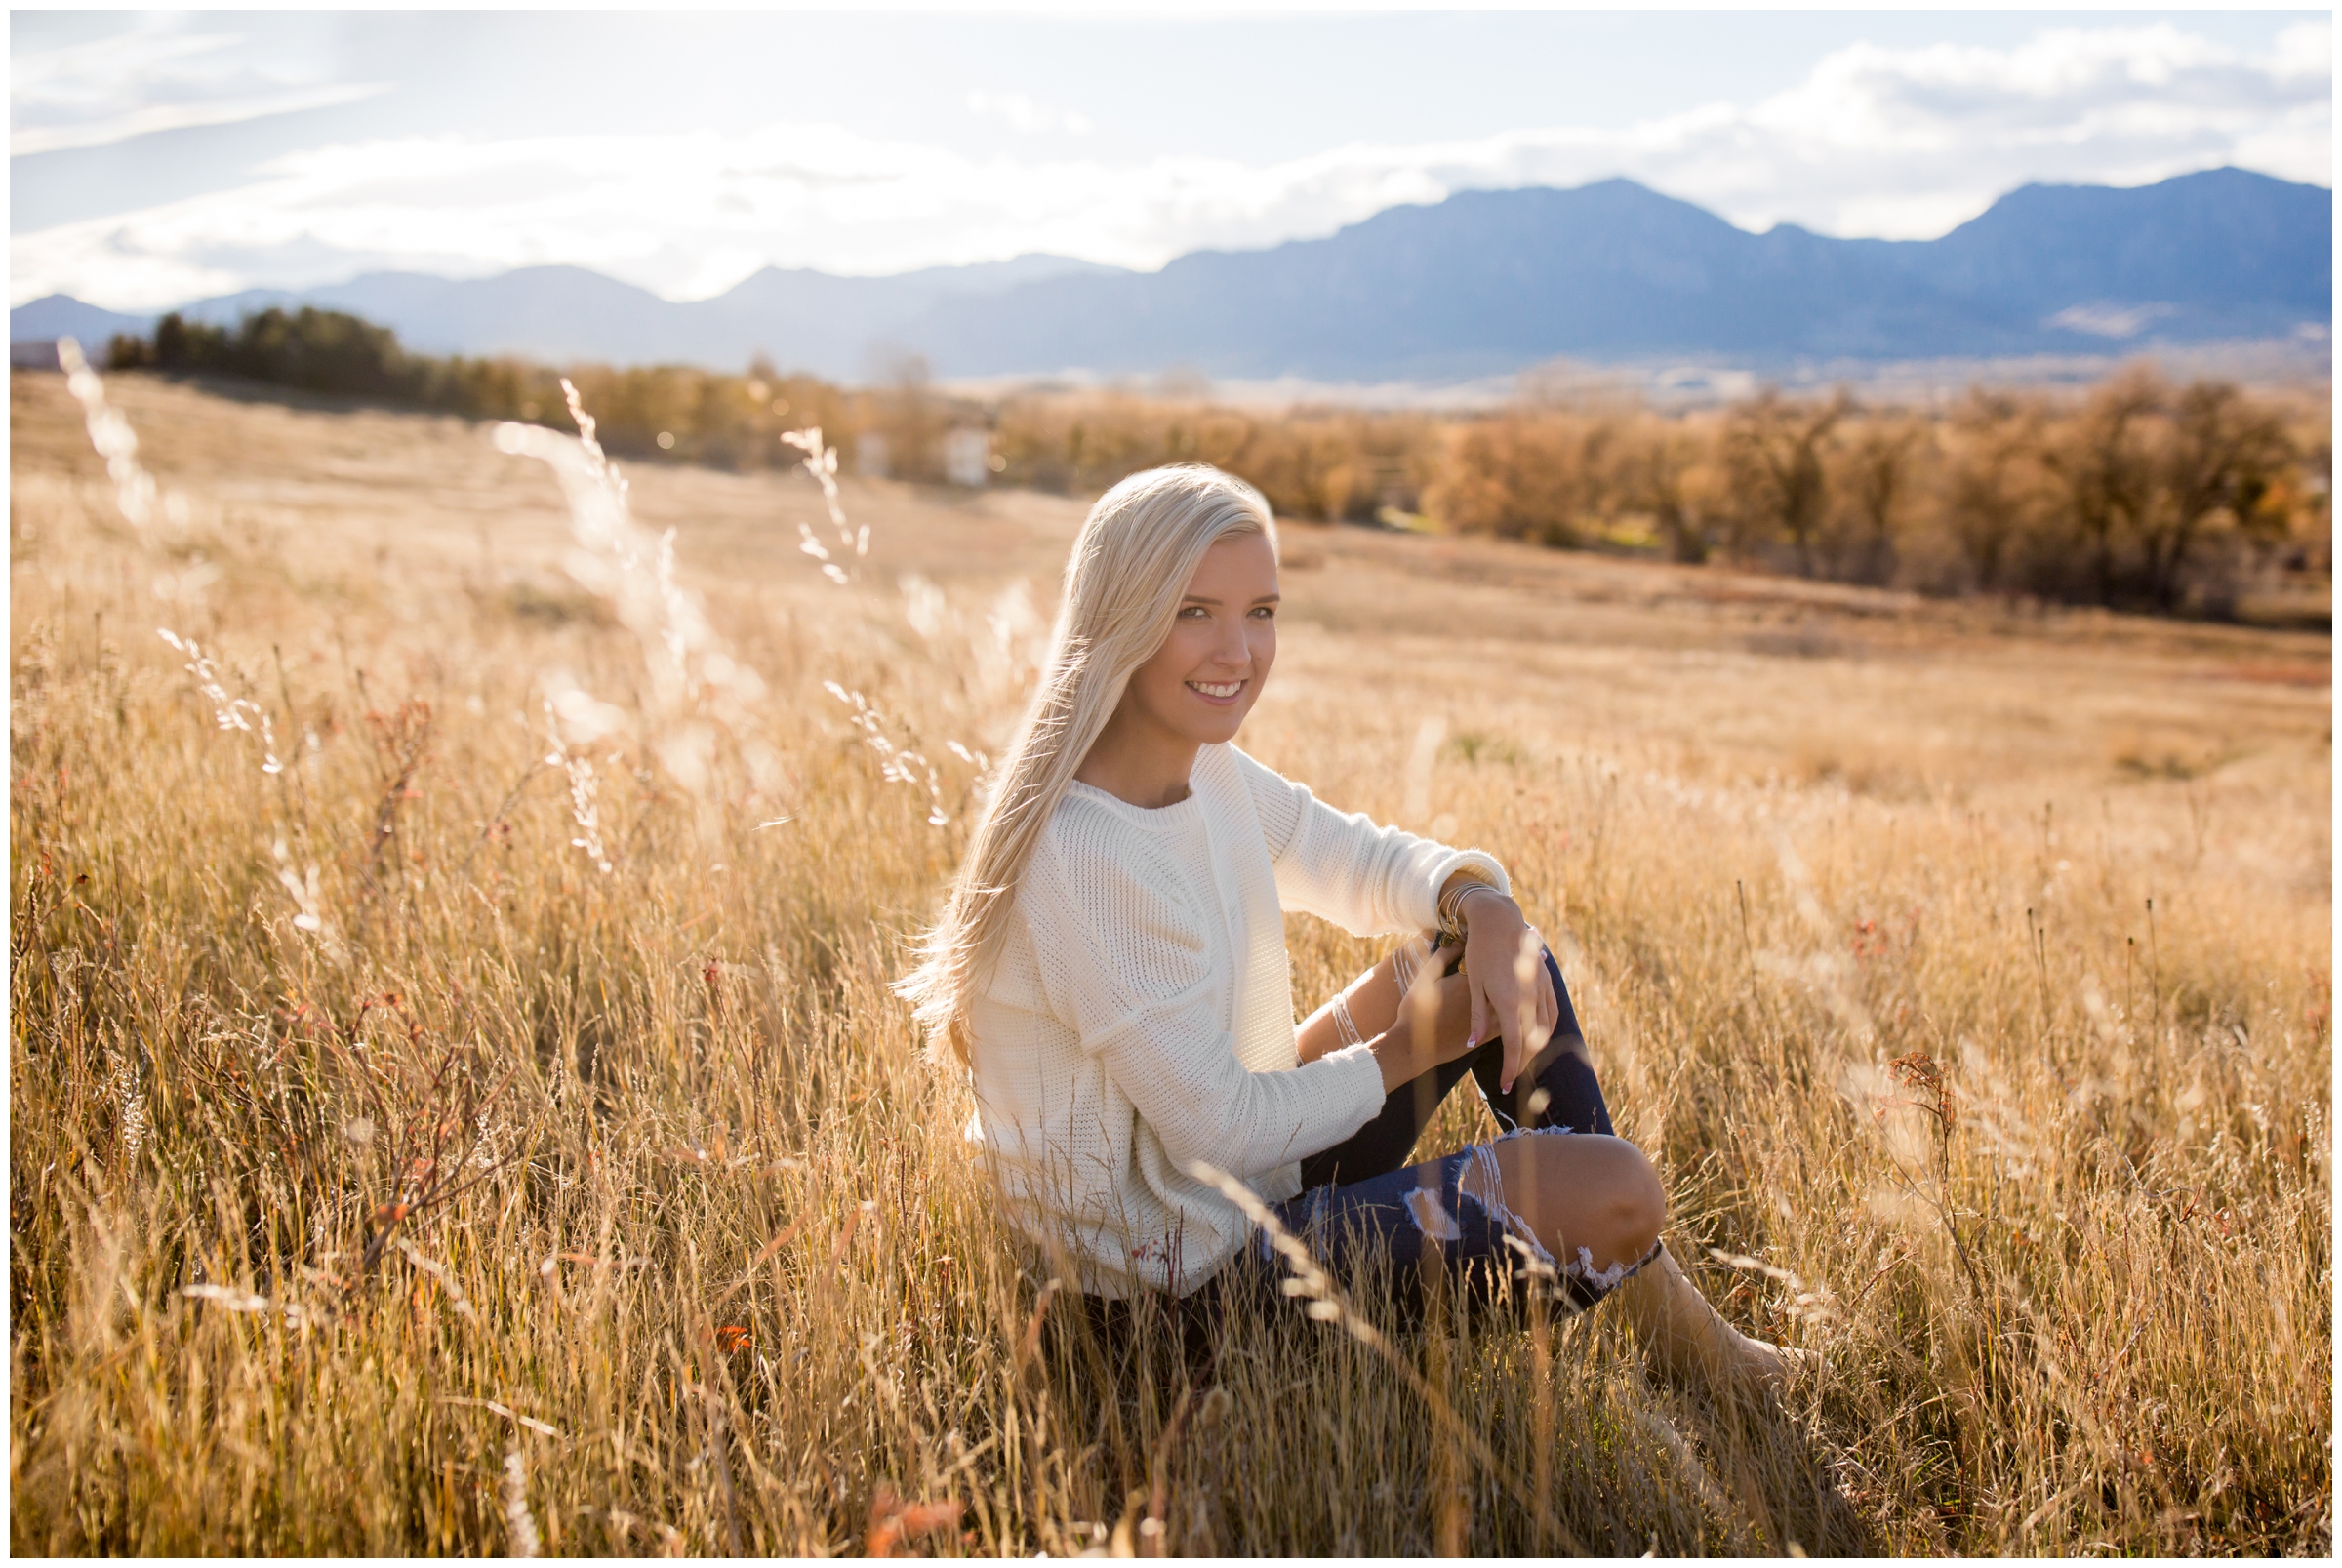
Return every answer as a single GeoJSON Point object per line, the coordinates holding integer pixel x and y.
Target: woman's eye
{"type": "Point", "coordinates": [1193, 612]}
{"type": "Point", "coordinates": [1265, 612]}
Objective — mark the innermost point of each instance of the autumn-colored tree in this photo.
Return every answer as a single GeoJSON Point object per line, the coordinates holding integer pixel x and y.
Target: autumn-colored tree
{"type": "Point", "coordinates": [1548, 477]}
{"type": "Point", "coordinates": [1666, 473]}
{"type": "Point", "coordinates": [2102, 460]}
{"type": "Point", "coordinates": [1310, 469]}
{"type": "Point", "coordinates": [2219, 455]}
{"type": "Point", "coordinates": [1992, 485]}
{"type": "Point", "coordinates": [1773, 450]}
{"type": "Point", "coordinates": [1877, 472]}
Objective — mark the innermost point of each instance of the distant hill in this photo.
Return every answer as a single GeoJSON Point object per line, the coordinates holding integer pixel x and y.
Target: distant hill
{"type": "Point", "coordinates": [1488, 281]}
{"type": "Point", "coordinates": [60, 315]}
{"type": "Point", "coordinates": [842, 327]}
{"type": "Point", "coordinates": [2224, 254]}
{"type": "Point", "coordinates": [805, 320]}
{"type": "Point", "coordinates": [1482, 283]}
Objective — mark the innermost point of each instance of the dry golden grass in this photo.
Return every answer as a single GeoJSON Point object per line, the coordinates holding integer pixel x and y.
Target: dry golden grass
{"type": "Point", "coordinates": [472, 1199]}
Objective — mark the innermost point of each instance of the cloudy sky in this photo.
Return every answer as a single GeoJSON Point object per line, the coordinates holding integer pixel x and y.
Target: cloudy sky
{"type": "Point", "coordinates": [157, 157]}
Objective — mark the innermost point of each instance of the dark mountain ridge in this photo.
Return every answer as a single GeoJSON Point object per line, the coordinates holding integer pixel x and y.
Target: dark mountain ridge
{"type": "Point", "coordinates": [1488, 281]}
{"type": "Point", "coordinates": [1483, 282]}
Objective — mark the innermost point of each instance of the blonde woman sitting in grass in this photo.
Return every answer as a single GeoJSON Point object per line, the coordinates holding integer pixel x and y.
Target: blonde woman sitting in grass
{"type": "Point", "coordinates": [1111, 965]}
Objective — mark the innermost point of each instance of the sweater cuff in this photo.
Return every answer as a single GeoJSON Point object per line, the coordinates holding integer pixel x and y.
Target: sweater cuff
{"type": "Point", "coordinates": [1359, 1080]}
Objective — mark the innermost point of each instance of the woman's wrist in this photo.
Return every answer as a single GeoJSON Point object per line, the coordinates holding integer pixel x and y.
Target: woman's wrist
{"type": "Point", "coordinates": [1463, 901]}
{"type": "Point", "coordinates": [1449, 900]}
{"type": "Point", "coordinates": [1453, 899]}
{"type": "Point", "coordinates": [1402, 1054]}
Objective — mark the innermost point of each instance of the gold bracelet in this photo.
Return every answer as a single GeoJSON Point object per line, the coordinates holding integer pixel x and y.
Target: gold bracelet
{"type": "Point", "coordinates": [1460, 885]}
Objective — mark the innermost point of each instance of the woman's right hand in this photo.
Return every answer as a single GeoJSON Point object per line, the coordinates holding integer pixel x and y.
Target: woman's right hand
{"type": "Point", "coordinates": [1432, 1026]}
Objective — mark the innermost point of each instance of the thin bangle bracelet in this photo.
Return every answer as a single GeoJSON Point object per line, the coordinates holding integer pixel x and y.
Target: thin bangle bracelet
{"type": "Point", "coordinates": [1459, 888]}
{"type": "Point", "coordinates": [1343, 1024]}
{"type": "Point", "coordinates": [1452, 920]}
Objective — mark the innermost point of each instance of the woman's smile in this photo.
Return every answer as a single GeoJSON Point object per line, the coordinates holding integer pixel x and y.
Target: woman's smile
{"type": "Point", "coordinates": [1219, 693]}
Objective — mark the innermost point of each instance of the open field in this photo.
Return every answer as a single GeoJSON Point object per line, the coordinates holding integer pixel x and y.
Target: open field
{"type": "Point", "coordinates": [389, 1176]}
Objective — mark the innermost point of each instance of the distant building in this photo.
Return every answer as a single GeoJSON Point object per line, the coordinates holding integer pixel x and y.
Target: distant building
{"type": "Point", "coordinates": [968, 457]}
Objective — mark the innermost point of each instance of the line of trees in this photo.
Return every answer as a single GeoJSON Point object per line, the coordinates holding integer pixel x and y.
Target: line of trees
{"type": "Point", "coordinates": [658, 411]}
{"type": "Point", "coordinates": [2140, 493]}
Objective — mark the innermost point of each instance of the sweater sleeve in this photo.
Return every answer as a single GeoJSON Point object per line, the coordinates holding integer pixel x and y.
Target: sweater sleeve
{"type": "Point", "coordinates": [1138, 985]}
{"type": "Point", "coordinates": [1341, 867]}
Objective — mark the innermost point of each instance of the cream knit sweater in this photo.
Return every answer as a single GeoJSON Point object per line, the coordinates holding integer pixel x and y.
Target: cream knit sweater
{"type": "Point", "coordinates": [1140, 1016]}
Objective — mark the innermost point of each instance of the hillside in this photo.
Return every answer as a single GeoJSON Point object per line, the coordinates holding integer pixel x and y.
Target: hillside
{"type": "Point", "coordinates": [1482, 283]}
{"type": "Point", "coordinates": [1488, 281]}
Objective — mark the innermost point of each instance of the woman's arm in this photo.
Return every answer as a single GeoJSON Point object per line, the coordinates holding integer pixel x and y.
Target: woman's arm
{"type": "Point", "coordinates": [1371, 1001]}
{"type": "Point", "coordinates": [1182, 1076]}
{"type": "Point", "coordinates": [1408, 1035]}
{"type": "Point", "coordinates": [1343, 868]}
{"type": "Point", "coordinates": [1149, 1006]}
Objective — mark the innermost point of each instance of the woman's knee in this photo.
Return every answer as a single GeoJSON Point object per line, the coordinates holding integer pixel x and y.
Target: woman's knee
{"type": "Point", "coordinates": [1597, 1193]}
{"type": "Point", "coordinates": [1635, 1198]}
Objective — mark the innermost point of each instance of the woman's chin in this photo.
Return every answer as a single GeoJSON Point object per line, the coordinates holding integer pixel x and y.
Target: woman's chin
{"type": "Point", "coordinates": [1212, 728]}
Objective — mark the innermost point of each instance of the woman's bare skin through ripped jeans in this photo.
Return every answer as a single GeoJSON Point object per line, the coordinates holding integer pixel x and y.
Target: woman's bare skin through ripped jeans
{"type": "Point", "coordinates": [1362, 1191]}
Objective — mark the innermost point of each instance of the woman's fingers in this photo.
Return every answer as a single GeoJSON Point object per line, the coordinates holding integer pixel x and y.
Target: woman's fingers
{"type": "Point", "coordinates": [1515, 996]}
{"type": "Point", "coordinates": [1531, 1022]}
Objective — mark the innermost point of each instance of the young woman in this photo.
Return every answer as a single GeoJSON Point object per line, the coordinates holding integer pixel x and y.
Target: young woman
{"type": "Point", "coordinates": [1111, 965]}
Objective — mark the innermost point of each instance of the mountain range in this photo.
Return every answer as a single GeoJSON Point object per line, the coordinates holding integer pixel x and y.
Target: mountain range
{"type": "Point", "coordinates": [1482, 283]}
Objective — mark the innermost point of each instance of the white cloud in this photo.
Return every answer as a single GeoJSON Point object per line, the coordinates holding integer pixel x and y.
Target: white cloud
{"type": "Point", "coordinates": [1880, 142]}
{"type": "Point", "coordinates": [183, 116]}
{"type": "Point", "coordinates": [1026, 114]}
{"type": "Point", "coordinates": [151, 78]}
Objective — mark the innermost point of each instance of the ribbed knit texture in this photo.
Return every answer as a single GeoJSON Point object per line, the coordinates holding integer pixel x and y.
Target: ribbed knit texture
{"type": "Point", "coordinates": [1141, 1015]}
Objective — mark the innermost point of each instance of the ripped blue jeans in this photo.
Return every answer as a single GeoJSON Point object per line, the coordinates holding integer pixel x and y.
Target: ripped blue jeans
{"type": "Point", "coordinates": [1362, 1193]}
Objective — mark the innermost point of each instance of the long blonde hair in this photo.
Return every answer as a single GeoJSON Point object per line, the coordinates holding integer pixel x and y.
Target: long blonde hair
{"type": "Point", "coordinates": [1131, 564]}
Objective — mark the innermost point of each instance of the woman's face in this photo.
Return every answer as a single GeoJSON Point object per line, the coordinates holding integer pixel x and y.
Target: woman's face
{"type": "Point", "coordinates": [1208, 673]}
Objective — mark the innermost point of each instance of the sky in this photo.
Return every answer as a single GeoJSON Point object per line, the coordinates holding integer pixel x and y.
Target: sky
{"type": "Point", "coordinates": [157, 157]}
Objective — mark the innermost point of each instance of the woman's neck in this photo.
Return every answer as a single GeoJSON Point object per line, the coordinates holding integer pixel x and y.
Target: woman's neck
{"type": "Point", "coordinates": [1139, 765]}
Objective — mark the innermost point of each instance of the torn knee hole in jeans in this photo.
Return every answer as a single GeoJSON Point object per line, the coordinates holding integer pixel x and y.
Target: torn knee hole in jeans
{"type": "Point", "coordinates": [1431, 1217]}
{"type": "Point", "coordinates": [1581, 1268]}
{"type": "Point", "coordinates": [1481, 1184]}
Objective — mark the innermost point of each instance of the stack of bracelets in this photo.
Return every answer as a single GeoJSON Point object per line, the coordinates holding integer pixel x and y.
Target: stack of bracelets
{"type": "Point", "coordinates": [1463, 885]}
{"type": "Point", "coordinates": [1406, 961]}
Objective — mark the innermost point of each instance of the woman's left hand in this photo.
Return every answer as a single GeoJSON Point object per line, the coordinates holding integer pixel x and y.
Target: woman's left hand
{"type": "Point", "coordinates": [1512, 993]}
